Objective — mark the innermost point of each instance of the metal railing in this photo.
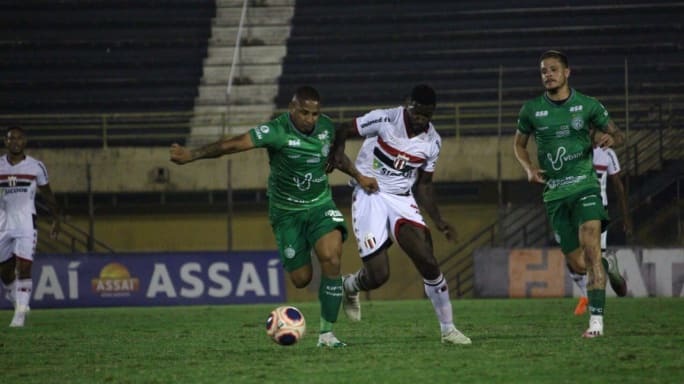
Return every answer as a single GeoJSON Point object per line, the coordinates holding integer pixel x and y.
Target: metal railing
{"type": "Point", "coordinates": [162, 128]}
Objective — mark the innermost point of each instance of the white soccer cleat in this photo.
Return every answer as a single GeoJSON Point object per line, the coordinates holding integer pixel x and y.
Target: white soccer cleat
{"type": "Point", "coordinates": [19, 318]}
{"type": "Point", "coordinates": [595, 327]}
{"type": "Point", "coordinates": [329, 340]}
{"type": "Point", "coordinates": [455, 336]}
{"type": "Point", "coordinates": [351, 303]}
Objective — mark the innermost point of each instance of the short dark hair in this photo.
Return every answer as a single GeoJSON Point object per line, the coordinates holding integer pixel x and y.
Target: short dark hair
{"type": "Point", "coordinates": [423, 94]}
{"type": "Point", "coordinates": [13, 128]}
{"type": "Point", "coordinates": [306, 93]}
{"type": "Point", "coordinates": [552, 53]}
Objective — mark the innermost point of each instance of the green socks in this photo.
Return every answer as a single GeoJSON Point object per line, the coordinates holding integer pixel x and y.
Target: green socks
{"type": "Point", "coordinates": [597, 300]}
{"type": "Point", "coordinates": [330, 297]}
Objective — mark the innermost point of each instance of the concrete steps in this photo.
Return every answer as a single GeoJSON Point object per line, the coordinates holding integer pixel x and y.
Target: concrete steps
{"type": "Point", "coordinates": [255, 79]}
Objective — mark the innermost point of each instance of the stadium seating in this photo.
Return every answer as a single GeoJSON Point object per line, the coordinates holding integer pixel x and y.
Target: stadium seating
{"type": "Point", "coordinates": [102, 56]}
{"type": "Point", "coordinates": [372, 52]}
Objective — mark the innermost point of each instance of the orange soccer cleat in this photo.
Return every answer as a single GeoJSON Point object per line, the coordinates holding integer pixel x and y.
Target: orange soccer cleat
{"type": "Point", "coordinates": [581, 307]}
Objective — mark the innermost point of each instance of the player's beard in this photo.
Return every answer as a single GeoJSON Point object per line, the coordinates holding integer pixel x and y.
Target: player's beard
{"type": "Point", "coordinates": [560, 84]}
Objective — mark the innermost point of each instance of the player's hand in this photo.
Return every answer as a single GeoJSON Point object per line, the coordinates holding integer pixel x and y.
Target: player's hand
{"type": "Point", "coordinates": [369, 184]}
{"type": "Point", "coordinates": [55, 229]}
{"type": "Point", "coordinates": [536, 175]}
{"type": "Point", "coordinates": [605, 140]}
{"type": "Point", "coordinates": [448, 231]}
{"type": "Point", "coordinates": [179, 154]}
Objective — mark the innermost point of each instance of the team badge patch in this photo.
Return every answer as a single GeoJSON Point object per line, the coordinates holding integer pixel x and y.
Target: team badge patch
{"type": "Point", "coordinates": [369, 241]}
{"type": "Point", "coordinates": [400, 162]}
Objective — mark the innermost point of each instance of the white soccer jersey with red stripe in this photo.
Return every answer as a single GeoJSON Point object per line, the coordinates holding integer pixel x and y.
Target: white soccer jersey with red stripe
{"type": "Point", "coordinates": [390, 155]}
{"type": "Point", "coordinates": [605, 163]}
{"type": "Point", "coordinates": [18, 185]}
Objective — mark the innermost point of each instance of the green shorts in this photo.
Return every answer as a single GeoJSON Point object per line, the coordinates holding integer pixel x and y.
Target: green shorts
{"type": "Point", "coordinates": [297, 232]}
{"type": "Point", "coordinates": [567, 214]}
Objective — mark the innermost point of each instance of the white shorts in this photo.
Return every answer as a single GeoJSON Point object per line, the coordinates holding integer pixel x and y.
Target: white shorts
{"type": "Point", "coordinates": [19, 243]}
{"type": "Point", "coordinates": [377, 216]}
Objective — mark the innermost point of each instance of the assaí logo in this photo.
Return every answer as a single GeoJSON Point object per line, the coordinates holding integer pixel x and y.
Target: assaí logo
{"type": "Point", "coordinates": [115, 281]}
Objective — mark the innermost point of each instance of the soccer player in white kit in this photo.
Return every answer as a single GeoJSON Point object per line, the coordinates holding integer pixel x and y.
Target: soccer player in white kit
{"type": "Point", "coordinates": [20, 176]}
{"type": "Point", "coordinates": [607, 166]}
{"type": "Point", "coordinates": [401, 148]}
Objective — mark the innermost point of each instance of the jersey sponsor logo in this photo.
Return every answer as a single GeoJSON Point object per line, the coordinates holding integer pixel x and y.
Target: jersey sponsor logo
{"type": "Point", "coordinates": [541, 113]}
{"type": "Point", "coordinates": [576, 108]}
{"type": "Point", "coordinates": [264, 129]}
{"type": "Point", "coordinates": [303, 184]}
{"type": "Point", "coordinates": [335, 215]}
{"type": "Point", "coordinates": [560, 159]}
{"type": "Point", "coordinates": [294, 143]}
{"type": "Point", "coordinates": [555, 183]}
{"type": "Point", "coordinates": [378, 120]}
{"type": "Point", "coordinates": [323, 136]}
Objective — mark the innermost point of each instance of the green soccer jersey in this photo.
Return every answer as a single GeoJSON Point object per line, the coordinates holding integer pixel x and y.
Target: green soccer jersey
{"type": "Point", "coordinates": [564, 145]}
{"type": "Point", "coordinates": [298, 180]}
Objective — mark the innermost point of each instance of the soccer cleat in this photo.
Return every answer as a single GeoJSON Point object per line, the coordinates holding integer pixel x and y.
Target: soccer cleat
{"type": "Point", "coordinates": [19, 318]}
{"type": "Point", "coordinates": [329, 340]}
{"type": "Point", "coordinates": [581, 307]}
{"type": "Point", "coordinates": [595, 327]}
{"type": "Point", "coordinates": [617, 282]}
{"type": "Point", "coordinates": [455, 337]}
{"type": "Point", "coordinates": [351, 302]}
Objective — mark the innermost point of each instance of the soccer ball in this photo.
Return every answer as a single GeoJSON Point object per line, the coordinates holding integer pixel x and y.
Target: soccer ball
{"type": "Point", "coordinates": [286, 325]}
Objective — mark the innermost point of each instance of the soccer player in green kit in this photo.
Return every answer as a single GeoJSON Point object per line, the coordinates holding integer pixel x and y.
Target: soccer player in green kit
{"type": "Point", "coordinates": [562, 120]}
{"type": "Point", "coordinates": [301, 209]}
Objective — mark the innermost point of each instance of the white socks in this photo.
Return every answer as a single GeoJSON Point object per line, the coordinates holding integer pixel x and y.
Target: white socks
{"type": "Point", "coordinates": [22, 292]}
{"type": "Point", "coordinates": [438, 292]}
{"type": "Point", "coordinates": [580, 281]}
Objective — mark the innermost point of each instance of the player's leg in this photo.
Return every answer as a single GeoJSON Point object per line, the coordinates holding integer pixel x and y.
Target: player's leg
{"type": "Point", "coordinates": [589, 235]}
{"type": "Point", "coordinates": [8, 277]}
{"type": "Point", "coordinates": [617, 282]}
{"type": "Point", "coordinates": [559, 213]}
{"type": "Point", "coordinates": [326, 231]}
{"type": "Point", "coordinates": [24, 248]}
{"type": "Point", "coordinates": [588, 211]}
{"type": "Point", "coordinates": [8, 266]}
{"type": "Point", "coordinates": [414, 238]}
{"type": "Point", "coordinates": [369, 218]}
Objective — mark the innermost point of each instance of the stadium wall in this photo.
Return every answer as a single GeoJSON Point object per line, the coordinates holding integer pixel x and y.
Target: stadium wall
{"type": "Point", "coordinates": [188, 232]}
{"type": "Point", "coordinates": [123, 169]}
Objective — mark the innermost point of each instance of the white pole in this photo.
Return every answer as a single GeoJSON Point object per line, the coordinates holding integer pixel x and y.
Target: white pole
{"type": "Point", "coordinates": [236, 51]}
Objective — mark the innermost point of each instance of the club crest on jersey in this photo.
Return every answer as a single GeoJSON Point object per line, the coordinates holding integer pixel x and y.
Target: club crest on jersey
{"type": "Point", "coordinates": [400, 161]}
{"type": "Point", "coordinates": [577, 123]}
{"type": "Point", "coordinates": [369, 241]}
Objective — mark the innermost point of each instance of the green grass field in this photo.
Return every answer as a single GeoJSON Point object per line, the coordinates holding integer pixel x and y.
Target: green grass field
{"type": "Point", "coordinates": [514, 341]}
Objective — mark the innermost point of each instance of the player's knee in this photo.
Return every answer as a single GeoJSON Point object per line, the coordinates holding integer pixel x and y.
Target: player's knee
{"type": "Point", "coordinates": [300, 281]}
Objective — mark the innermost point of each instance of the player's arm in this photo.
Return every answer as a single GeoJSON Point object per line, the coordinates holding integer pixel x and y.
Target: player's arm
{"type": "Point", "coordinates": [369, 184]}
{"type": "Point", "coordinates": [426, 200]}
{"type": "Point", "coordinates": [610, 136]}
{"type": "Point", "coordinates": [182, 155]}
{"type": "Point", "coordinates": [336, 156]}
{"type": "Point", "coordinates": [53, 206]}
{"type": "Point", "coordinates": [534, 174]}
{"type": "Point", "coordinates": [622, 200]}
